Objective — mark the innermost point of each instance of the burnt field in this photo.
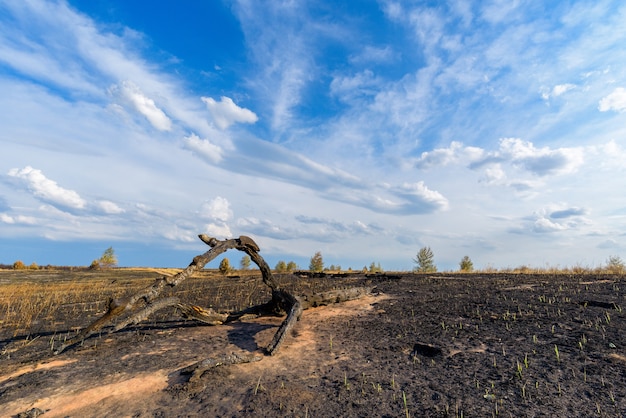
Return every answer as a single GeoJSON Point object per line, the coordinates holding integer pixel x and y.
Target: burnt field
{"type": "Point", "coordinates": [421, 345]}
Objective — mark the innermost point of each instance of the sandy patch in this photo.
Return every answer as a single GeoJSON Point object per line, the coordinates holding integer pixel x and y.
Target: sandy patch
{"type": "Point", "coordinates": [34, 368]}
{"type": "Point", "coordinates": [305, 341]}
{"type": "Point", "coordinates": [91, 402]}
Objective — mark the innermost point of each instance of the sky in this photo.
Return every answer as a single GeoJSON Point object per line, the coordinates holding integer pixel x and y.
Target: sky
{"type": "Point", "coordinates": [365, 130]}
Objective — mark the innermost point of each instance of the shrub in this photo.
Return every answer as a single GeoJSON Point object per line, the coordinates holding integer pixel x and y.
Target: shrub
{"type": "Point", "coordinates": [225, 267]}
{"type": "Point", "coordinates": [95, 265]}
{"type": "Point", "coordinates": [33, 266]}
{"type": "Point", "coordinates": [425, 261]}
{"type": "Point", "coordinates": [615, 264]}
{"type": "Point", "coordinates": [317, 262]}
{"type": "Point", "coordinates": [291, 266]}
{"type": "Point", "coordinates": [466, 264]}
{"type": "Point", "coordinates": [19, 265]}
{"type": "Point", "coordinates": [375, 268]}
{"type": "Point", "coordinates": [281, 267]}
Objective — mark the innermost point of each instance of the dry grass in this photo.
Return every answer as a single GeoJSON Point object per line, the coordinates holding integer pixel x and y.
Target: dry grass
{"type": "Point", "coordinates": [34, 300]}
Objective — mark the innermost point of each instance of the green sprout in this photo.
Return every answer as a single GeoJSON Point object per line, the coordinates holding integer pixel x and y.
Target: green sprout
{"type": "Point", "coordinates": [406, 407]}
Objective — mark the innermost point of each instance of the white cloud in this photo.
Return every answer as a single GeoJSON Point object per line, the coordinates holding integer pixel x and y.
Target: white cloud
{"type": "Point", "coordinates": [557, 90]}
{"type": "Point", "coordinates": [555, 218]}
{"type": "Point", "coordinates": [541, 161]}
{"type": "Point", "coordinates": [144, 105]}
{"type": "Point", "coordinates": [203, 148]}
{"type": "Point", "coordinates": [47, 190]}
{"type": "Point", "coordinates": [407, 199]}
{"type": "Point", "coordinates": [498, 11]}
{"type": "Point", "coordinates": [422, 197]}
{"type": "Point", "coordinates": [335, 230]}
{"type": "Point", "coordinates": [175, 233]}
{"type": "Point", "coordinates": [348, 88]}
{"type": "Point", "coordinates": [20, 219]}
{"type": "Point", "coordinates": [456, 152]}
{"type": "Point", "coordinates": [108, 207]}
{"type": "Point", "coordinates": [561, 89]}
{"type": "Point", "coordinates": [615, 101]}
{"type": "Point", "coordinates": [217, 209]}
{"type": "Point", "coordinates": [373, 54]}
{"type": "Point", "coordinates": [542, 225]}
{"type": "Point", "coordinates": [265, 227]}
{"type": "Point", "coordinates": [494, 174]}
{"type": "Point", "coordinates": [218, 230]}
{"type": "Point", "coordinates": [226, 112]}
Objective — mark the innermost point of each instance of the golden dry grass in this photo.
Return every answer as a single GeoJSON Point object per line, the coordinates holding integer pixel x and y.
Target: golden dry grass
{"type": "Point", "coordinates": [54, 301]}
{"type": "Point", "coordinates": [32, 300]}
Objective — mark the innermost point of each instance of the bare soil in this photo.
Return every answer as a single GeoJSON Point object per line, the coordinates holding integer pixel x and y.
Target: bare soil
{"type": "Point", "coordinates": [421, 345]}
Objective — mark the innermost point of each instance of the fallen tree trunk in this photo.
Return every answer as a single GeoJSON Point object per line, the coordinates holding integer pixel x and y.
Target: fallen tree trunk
{"type": "Point", "coordinates": [118, 307]}
{"type": "Point", "coordinates": [282, 302]}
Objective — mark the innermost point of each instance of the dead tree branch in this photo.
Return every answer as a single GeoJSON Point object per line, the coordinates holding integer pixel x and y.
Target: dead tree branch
{"type": "Point", "coordinates": [281, 301]}
{"type": "Point", "coordinates": [136, 308]}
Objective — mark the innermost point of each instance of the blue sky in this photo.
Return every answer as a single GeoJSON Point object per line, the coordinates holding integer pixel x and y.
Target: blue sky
{"type": "Point", "coordinates": [364, 130]}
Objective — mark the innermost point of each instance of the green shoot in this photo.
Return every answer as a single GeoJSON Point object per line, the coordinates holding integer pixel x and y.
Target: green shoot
{"type": "Point", "coordinates": [406, 407]}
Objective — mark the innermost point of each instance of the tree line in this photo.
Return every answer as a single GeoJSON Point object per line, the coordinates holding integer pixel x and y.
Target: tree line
{"type": "Point", "coordinates": [424, 263]}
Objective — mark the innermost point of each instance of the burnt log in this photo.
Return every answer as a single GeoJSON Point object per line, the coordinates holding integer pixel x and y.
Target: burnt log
{"type": "Point", "coordinates": [136, 308]}
{"type": "Point", "coordinates": [118, 307]}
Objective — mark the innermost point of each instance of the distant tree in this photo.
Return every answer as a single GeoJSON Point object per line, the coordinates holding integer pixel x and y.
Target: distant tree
{"type": "Point", "coordinates": [466, 264]}
{"type": "Point", "coordinates": [291, 266]}
{"type": "Point", "coordinates": [281, 267]}
{"type": "Point", "coordinates": [245, 262]}
{"type": "Point", "coordinates": [317, 262]}
{"type": "Point", "coordinates": [95, 265]}
{"type": "Point", "coordinates": [108, 258]}
{"type": "Point", "coordinates": [615, 264]}
{"type": "Point", "coordinates": [19, 265]}
{"type": "Point", "coordinates": [225, 267]}
{"type": "Point", "coordinates": [425, 261]}
{"type": "Point", "coordinates": [375, 268]}
{"type": "Point", "coordinates": [33, 266]}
